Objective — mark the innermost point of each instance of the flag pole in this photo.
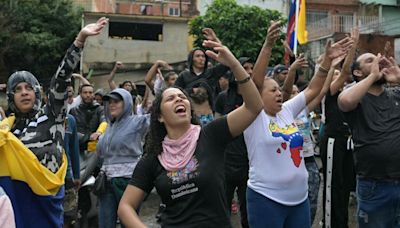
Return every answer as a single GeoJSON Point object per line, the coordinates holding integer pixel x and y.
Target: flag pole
{"type": "Point", "coordinates": [296, 25]}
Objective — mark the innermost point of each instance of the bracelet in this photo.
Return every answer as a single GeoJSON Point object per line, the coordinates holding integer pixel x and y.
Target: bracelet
{"type": "Point", "coordinates": [243, 80]}
{"type": "Point", "coordinates": [323, 70]}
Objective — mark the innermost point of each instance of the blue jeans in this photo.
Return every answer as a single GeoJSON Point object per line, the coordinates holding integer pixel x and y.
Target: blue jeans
{"type": "Point", "coordinates": [313, 186]}
{"type": "Point", "coordinates": [108, 207]}
{"type": "Point", "coordinates": [263, 212]}
{"type": "Point", "coordinates": [378, 203]}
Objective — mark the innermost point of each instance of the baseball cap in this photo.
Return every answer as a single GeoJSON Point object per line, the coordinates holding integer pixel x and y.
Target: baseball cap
{"type": "Point", "coordinates": [112, 95]}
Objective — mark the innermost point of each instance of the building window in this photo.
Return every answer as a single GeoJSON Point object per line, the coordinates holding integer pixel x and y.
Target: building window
{"type": "Point", "coordinates": [146, 9]}
{"type": "Point", "coordinates": [135, 31]}
{"type": "Point", "coordinates": [174, 12]}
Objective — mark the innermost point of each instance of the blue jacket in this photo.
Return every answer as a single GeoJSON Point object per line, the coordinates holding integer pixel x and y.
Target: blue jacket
{"type": "Point", "coordinates": [71, 146]}
{"type": "Point", "coordinates": [122, 141]}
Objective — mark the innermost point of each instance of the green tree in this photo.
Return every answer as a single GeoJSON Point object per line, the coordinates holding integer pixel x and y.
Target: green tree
{"type": "Point", "coordinates": [241, 28]}
{"type": "Point", "coordinates": [35, 35]}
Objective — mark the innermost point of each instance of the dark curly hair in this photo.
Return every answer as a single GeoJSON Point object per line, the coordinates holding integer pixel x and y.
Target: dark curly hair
{"type": "Point", "coordinates": [158, 131]}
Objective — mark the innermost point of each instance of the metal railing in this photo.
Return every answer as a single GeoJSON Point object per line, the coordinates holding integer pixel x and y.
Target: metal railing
{"type": "Point", "coordinates": [330, 2]}
{"type": "Point", "coordinates": [322, 24]}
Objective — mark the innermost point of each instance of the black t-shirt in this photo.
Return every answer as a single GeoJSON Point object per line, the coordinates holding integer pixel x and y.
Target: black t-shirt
{"type": "Point", "coordinates": [195, 195]}
{"type": "Point", "coordinates": [375, 125]}
{"type": "Point", "coordinates": [335, 124]}
{"type": "Point", "coordinates": [237, 162]}
{"type": "Point", "coordinates": [227, 101]}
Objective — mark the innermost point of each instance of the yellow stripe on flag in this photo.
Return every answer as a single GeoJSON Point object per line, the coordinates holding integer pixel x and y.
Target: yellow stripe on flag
{"type": "Point", "coordinates": [302, 34]}
{"type": "Point", "coordinates": [20, 163]}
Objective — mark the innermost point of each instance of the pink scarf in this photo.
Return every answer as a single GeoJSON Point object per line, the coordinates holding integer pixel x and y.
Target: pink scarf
{"type": "Point", "coordinates": [177, 153]}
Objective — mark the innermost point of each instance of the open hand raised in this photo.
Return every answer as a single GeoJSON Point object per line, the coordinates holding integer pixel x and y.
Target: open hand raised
{"type": "Point", "coordinates": [220, 54]}
{"type": "Point", "coordinates": [209, 34]}
{"type": "Point", "coordinates": [338, 49]}
{"type": "Point", "coordinates": [300, 62]}
{"type": "Point", "coordinates": [92, 29]}
{"type": "Point", "coordinates": [273, 33]}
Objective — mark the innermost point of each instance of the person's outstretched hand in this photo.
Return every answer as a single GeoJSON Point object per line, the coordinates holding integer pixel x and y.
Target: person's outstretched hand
{"type": "Point", "coordinates": [220, 54]}
{"type": "Point", "coordinates": [163, 64]}
{"type": "Point", "coordinates": [300, 62]}
{"type": "Point", "coordinates": [118, 65]}
{"type": "Point", "coordinates": [273, 33]}
{"type": "Point", "coordinates": [209, 34]}
{"type": "Point", "coordinates": [91, 30]}
{"type": "Point", "coordinates": [338, 49]}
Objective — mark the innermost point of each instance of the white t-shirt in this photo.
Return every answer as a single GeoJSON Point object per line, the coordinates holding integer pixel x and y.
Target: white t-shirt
{"type": "Point", "coordinates": [274, 145]}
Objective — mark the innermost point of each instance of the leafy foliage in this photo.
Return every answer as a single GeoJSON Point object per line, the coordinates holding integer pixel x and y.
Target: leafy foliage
{"type": "Point", "coordinates": [241, 28]}
{"type": "Point", "coordinates": [35, 35]}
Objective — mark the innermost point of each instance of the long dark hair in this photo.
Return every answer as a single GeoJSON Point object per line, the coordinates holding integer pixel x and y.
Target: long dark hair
{"type": "Point", "coordinates": [158, 131]}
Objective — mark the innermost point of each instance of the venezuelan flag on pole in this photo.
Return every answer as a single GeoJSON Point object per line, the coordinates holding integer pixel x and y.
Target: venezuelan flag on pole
{"type": "Point", "coordinates": [35, 192]}
{"type": "Point", "coordinates": [296, 30]}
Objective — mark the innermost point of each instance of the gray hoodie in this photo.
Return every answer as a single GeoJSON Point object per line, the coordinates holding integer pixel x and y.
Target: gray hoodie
{"type": "Point", "coordinates": [122, 141]}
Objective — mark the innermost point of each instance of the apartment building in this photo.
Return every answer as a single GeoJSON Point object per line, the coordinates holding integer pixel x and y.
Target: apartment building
{"type": "Point", "coordinates": [332, 19]}
{"type": "Point", "coordinates": [139, 33]}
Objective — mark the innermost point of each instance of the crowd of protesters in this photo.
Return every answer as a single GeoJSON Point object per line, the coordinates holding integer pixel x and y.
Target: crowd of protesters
{"type": "Point", "coordinates": [211, 130]}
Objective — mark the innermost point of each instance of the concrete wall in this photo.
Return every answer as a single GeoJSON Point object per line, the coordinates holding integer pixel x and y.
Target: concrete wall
{"type": "Point", "coordinates": [279, 5]}
{"type": "Point", "coordinates": [100, 81]}
{"type": "Point", "coordinates": [375, 44]}
{"type": "Point", "coordinates": [103, 49]}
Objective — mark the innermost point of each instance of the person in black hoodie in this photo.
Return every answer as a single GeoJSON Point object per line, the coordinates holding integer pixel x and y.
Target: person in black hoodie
{"type": "Point", "coordinates": [198, 71]}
